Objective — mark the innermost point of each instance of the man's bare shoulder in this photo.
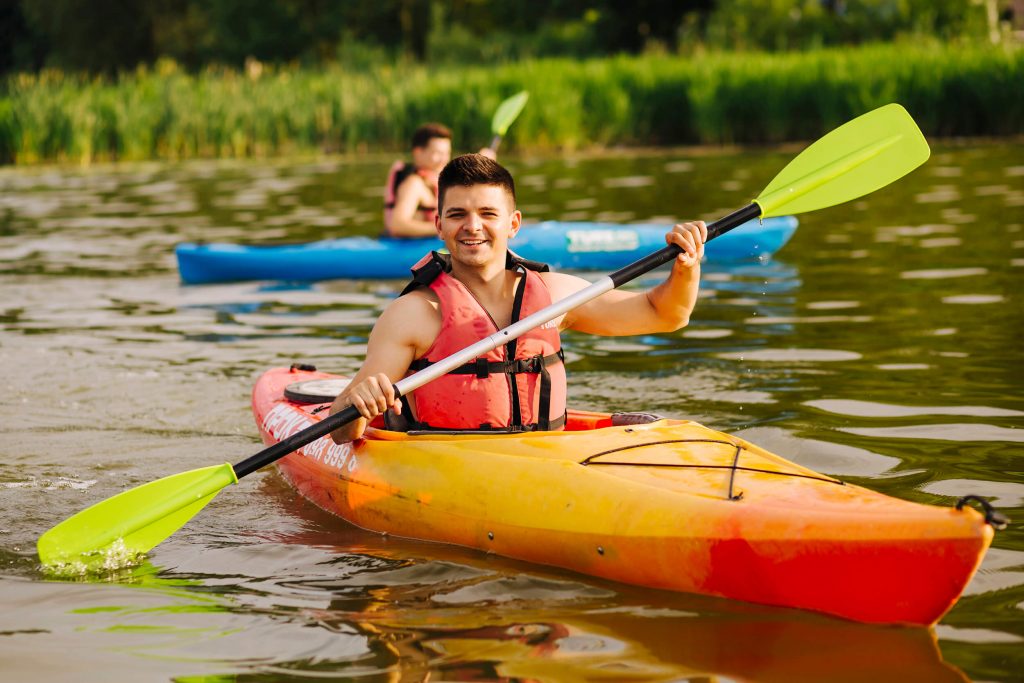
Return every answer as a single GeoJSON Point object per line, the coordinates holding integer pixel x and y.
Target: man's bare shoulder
{"type": "Point", "coordinates": [561, 285]}
{"type": "Point", "coordinates": [419, 302]}
{"type": "Point", "coordinates": [414, 317]}
{"type": "Point", "coordinates": [413, 182]}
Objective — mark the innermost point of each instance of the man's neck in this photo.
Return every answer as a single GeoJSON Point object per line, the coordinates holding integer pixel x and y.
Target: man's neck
{"type": "Point", "coordinates": [491, 282]}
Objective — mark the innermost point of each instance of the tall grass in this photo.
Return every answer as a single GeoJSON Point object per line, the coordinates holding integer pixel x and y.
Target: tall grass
{"type": "Point", "coordinates": [747, 98]}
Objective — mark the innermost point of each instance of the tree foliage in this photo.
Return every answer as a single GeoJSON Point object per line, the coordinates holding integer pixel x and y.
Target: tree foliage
{"type": "Point", "coordinates": [99, 36]}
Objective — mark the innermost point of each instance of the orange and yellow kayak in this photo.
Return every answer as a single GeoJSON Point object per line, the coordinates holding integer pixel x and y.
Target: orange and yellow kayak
{"type": "Point", "coordinates": [667, 504]}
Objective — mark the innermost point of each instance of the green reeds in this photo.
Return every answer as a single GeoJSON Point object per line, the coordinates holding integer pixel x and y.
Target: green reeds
{"type": "Point", "coordinates": [713, 98]}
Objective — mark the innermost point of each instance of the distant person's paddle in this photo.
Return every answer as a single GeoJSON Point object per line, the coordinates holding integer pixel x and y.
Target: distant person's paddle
{"type": "Point", "coordinates": [857, 158]}
{"type": "Point", "coordinates": [507, 112]}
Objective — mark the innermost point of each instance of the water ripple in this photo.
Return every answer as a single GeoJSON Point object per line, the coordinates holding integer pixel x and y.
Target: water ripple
{"type": "Point", "coordinates": [1003, 493]}
{"type": "Point", "coordinates": [791, 355]}
{"type": "Point", "coordinates": [974, 299]}
{"type": "Point", "coordinates": [629, 181]}
{"type": "Point", "coordinates": [946, 432]}
{"type": "Point", "coordinates": [55, 484]}
{"type": "Point", "coordinates": [872, 409]}
{"type": "Point", "coordinates": [942, 273]}
{"type": "Point", "coordinates": [823, 456]}
{"type": "Point", "coordinates": [521, 589]}
{"type": "Point", "coordinates": [815, 319]}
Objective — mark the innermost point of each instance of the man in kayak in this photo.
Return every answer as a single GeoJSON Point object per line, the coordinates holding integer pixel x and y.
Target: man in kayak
{"type": "Point", "coordinates": [410, 201]}
{"type": "Point", "coordinates": [479, 287]}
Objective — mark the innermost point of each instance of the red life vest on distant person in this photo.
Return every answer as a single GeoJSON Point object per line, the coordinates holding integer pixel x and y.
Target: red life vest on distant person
{"type": "Point", "coordinates": [520, 386]}
{"type": "Point", "coordinates": [400, 170]}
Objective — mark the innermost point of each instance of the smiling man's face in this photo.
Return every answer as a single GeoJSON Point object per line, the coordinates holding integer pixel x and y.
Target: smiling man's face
{"type": "Point", "coordinates": [476, 222]}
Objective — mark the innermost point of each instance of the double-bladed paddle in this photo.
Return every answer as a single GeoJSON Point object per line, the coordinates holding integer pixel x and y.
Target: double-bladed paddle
{"type": "Point", "coordinates": [859, 157]}
{"type": "Point", "coordinates": [506, 113]}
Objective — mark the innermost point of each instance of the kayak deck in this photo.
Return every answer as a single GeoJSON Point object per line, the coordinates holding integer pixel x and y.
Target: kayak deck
{"type": "Point", "coordinates": [669, 504]}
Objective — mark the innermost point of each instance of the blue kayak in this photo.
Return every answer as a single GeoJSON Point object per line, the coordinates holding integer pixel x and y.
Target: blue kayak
{"type": "Point", "coordinates": [562, 245]}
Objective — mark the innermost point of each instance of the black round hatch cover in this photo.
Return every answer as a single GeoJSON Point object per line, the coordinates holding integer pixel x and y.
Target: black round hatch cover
{"type": "Point", "coordinates": [315, 390]}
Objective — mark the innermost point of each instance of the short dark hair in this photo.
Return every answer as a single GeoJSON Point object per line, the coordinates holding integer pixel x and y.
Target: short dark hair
{"type": "Point", "coordinates": [474, 169]}
{"type": "Point", "coordinates": [427, 132]}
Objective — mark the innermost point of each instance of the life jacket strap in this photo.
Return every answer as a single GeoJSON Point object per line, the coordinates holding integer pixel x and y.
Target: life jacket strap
{"type": "Point", "coordinates": [481, 367]}
{"type": "Point", "coordinates": [441, 262]}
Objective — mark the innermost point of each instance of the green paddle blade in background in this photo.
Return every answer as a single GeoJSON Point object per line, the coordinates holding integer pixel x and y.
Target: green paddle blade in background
{"type": "Point", "coordinates": [859, 157]}
{"type": "Point", "coordinates": [134, 521]}
{"type": "Point", "coordinates": [507, 112]}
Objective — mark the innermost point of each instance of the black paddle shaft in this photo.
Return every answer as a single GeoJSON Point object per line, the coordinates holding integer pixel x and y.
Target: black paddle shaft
{"type": "Point", "coordinates": [663, 256]}
{"type": "Point", "coordinates": [349, 414]}
{"type": "Point", "coordinates": [298, 440]}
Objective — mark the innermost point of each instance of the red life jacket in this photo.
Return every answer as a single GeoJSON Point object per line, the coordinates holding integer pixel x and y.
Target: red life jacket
{"type": "Point", "coordinates": [401, 170]}
{"type": "Point", "coordinates": [520, 386]}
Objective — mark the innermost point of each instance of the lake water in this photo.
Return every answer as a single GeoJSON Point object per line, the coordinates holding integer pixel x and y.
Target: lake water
{"type": "Point", "coordinates": [882, 345]}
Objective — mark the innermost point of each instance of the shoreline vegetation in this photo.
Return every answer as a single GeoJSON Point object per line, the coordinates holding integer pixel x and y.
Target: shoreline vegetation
{"type": "Point", "coordinates": [163, 112]}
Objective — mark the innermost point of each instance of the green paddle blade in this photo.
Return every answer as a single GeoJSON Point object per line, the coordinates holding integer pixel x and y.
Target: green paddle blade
{"type": "Point", "coordinates": [507, 112]}
{"type": "Point", "coordinates": [859, 157]}
{"type": "Point", "coordinates": [134, 521]}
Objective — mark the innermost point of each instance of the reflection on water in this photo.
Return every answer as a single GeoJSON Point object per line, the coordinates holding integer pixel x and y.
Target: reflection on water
{"type": "Point", "coordinates": [351, 604]}
{"type": "Point", "coordinates": [882, 346]}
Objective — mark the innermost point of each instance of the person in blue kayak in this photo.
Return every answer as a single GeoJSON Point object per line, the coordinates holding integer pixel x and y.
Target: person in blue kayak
{"type": "Point", "coordinates": [410, 199]}
{"type": "Point", "coordinates": [478, 287]}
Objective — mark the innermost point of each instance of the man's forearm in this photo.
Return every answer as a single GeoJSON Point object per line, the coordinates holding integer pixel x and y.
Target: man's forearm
{"type": "Point", "coordinates": [674, 299]}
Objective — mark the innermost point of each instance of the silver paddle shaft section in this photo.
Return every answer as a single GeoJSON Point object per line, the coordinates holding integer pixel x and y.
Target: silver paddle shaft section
{"type": "Point", "coordinates": [503, 336]}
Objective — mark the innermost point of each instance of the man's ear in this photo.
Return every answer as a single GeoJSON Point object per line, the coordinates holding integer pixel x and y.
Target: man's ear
{"type": "Point", "coordinates": [517, 221]}
{"type": "Point", "coordinates": [437, 221]}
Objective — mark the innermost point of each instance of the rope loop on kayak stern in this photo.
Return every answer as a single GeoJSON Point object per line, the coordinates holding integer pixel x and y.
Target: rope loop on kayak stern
{"type": "Point", "coordinates": [993, 517]}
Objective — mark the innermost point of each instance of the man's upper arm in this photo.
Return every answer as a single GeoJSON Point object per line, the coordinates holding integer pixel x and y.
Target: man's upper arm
{"type": "Point", "coordinates": [561, 285]}
{"type": "Point", "coordinates": [404, 220]}
{"type": "Point", "coordinates": [407, 197]}
{"type": "Point", "coordinates": [613, 313]}
{"type": "Point", "coordinates": [405, 330]}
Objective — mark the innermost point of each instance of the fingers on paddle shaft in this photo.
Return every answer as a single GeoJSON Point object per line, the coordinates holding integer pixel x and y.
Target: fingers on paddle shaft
{"type": "Point", "coordinates": [690, 238]}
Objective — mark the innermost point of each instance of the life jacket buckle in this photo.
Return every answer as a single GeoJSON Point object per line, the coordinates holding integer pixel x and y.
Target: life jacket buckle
{"type": "Point", "coordinates": [534, 364]}
{"type": "Point", "coordinates": [482, 368]}
{"type": "Point", "coordinates": [524, 365]}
